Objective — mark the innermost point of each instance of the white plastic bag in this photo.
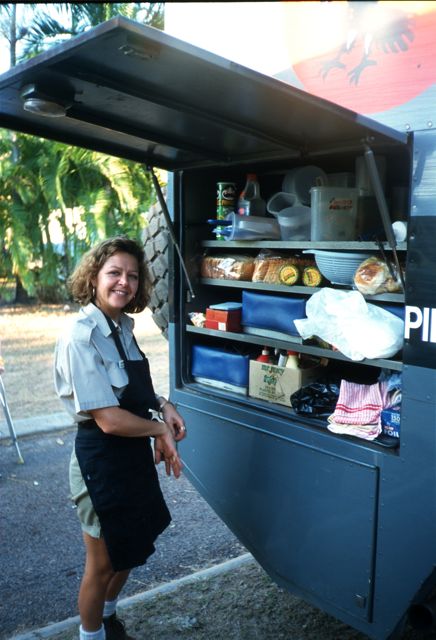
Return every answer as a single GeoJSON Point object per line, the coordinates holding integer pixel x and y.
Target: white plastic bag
{"type": "Point", "coordinates": [346, 321]}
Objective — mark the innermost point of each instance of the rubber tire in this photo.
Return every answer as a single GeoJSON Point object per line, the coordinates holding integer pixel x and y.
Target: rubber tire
{"type": "Point", "coordinates": [156, 247]}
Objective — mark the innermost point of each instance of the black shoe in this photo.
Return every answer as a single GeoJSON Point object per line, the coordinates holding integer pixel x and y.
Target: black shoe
{"type": "Point", "coordinates": [114, 628]}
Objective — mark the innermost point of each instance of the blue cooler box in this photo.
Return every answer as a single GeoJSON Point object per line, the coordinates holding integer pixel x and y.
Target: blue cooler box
{"type": "Point", "coordinates": [271, 316]}
{"type": "Point", "coordinates": [220, 369]}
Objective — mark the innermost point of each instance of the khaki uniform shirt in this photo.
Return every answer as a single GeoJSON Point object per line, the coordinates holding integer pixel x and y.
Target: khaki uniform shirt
{"type": "Point", "coordinates": [88, 372]}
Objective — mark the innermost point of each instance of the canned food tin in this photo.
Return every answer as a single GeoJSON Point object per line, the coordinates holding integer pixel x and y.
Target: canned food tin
{"type": "Point", "coordinates": [225, 203]}
{"type": "Point", "coordinates": [225, 195]}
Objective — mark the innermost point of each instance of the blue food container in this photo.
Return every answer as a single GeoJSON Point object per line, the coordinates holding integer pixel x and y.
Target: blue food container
{"type": "Point", "coordinates": [274, 313]}
{"type": "Point", "coordinates": [220, 368]}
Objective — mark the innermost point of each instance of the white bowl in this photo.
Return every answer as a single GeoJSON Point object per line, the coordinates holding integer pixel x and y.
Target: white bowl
{"type": "Point", "coordinates": [338, 266]}
{"type": "Point", "coordinates": [300, 180]}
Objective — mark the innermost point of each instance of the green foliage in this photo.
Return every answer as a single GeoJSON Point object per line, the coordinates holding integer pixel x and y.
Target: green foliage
{"type": "Point", "coordinates": [91, 196]}
{"type": "Point", "coordinates": [69, 19]}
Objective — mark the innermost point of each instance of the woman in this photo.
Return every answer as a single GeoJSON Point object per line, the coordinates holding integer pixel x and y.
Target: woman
{"type": "Point", "coordinates": [104, 381]}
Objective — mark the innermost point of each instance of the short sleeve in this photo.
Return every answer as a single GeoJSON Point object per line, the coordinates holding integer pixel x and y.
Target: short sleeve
{"type": "Point", "coordinates": [82, 374]}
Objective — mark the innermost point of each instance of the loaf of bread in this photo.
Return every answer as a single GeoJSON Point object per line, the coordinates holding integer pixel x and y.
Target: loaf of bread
{"type": "Point", "coordinates": [373, 277]}
{"type": "Point", "coordinates": [267, 267]}
{"type": "Point", "coordinates": [227, 267]}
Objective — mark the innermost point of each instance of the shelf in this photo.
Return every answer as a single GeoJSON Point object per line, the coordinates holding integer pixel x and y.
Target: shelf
{"type": "Point", "coordinates": [298, 289]}
{"type": "Point", "coordinates": [275, 343]}
{"type": "Point", "coordinates": [260, 286]}
{"type": "Point", "coordinates": [300, 244]}
{"type": "Point", "coordinates": [388, 444]}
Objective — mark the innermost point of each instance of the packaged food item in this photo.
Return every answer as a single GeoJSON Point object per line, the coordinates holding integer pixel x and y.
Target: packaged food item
{"type": "Point", "coordinates": [373, 276]}
{"type": "Point", "coordinates": [250, 202]}
{"type": "Point", "coordinates": [227, 267]}
{"type": "Point", "coordinates": [292, 361]}
{"type": "Point", "coordinates": [197, 318]}
{"type": "Point", "coordinates": [225, 316]}
{"type": "Point", "coordinates": [283, 358]}
{"type": "Point", "coordinates": [265, 356]}
{"type": "Point", "coordinates": [289, 274]}
{"type": "Point", "coordinates": [312, 277]}
{"type": "Point", "coordinates": [225, 203]}
{"type": "Point", "coordinates": [268, 265]}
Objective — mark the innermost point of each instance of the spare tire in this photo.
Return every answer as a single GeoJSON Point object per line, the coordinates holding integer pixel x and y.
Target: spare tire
{"type": "Point", "coordinates": [156, 243]}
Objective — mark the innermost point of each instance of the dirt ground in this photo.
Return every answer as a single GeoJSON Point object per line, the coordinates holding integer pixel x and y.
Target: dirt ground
{"type": "Point", "coordinates": [241, 604]}
{"type": "Point", "coordinates": [28, 336]}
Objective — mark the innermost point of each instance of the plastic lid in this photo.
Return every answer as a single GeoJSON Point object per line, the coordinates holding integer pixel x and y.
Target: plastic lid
{"type": "Point", "coordinates": [292, 353]}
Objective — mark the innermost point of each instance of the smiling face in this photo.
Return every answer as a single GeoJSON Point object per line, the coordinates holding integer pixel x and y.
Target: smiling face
{"type": "Point", "coordinates": [116, 284]}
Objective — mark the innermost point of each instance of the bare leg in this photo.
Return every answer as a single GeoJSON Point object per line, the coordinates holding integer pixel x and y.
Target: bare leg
{"type": "Point", "coordinates": [96, 579]}
{"type": "Point", "coordinates": [116, 583]}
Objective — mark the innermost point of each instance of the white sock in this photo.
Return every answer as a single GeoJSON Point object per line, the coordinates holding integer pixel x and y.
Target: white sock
{"type": "Point", "coordinates": [109, 607]}
{"type": "Point", "coordinates": [92, 635]}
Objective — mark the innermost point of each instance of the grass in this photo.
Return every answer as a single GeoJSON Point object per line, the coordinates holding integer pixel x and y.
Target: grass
{"type": "Point", "coordinates": [28, 336]}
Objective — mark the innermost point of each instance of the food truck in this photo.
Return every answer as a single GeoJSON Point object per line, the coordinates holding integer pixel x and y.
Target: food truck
{"type": "Point", "coordinates": [345, 520]}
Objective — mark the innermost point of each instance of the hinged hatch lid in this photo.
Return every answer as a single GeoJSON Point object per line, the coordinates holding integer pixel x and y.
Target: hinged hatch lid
{"type": "Point", "coordinates": [133, 91]}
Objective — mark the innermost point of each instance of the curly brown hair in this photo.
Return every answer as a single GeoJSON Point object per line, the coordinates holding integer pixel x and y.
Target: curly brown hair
{"type": "Point", "coordinates": [80, 281]}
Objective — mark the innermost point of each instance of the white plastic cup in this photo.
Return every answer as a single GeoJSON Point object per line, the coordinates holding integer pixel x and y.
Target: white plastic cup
{"type": "Point", "coordinates": [295, 223]}
{"type": "Point", "coordinates": [280, 201]}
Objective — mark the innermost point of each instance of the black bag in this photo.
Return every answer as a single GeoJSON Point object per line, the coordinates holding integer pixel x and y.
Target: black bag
{"type": "Point", "coordinates": [316, 400]}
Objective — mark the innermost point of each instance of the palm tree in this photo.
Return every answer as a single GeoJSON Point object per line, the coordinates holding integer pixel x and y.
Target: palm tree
{"type": "Point", "coordinates": [34, 27]}
{"type": "Point", "coordinates": [38, 178]}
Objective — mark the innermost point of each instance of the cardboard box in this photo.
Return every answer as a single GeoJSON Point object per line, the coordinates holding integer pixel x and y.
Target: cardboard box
{"type": "Point", "coordinates": [277, 384]}
{"type": "Point", "coordinates": [223, 320]}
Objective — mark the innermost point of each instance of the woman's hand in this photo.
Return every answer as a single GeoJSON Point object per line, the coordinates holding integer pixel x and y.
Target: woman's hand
{"type": "Point", "coordinates": [174, 421]}
{"type": "Point", "coordinates": [165, 449]}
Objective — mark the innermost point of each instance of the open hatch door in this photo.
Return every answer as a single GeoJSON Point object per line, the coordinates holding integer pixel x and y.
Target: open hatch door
{"type": "Point", "coordinates": [135, 92]}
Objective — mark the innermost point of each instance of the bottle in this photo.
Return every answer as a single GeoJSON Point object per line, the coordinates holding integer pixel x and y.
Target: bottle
{"type": "Point", "coordinates": [292, 361]}
{"type": "Point", "coordinates": [265, 356]}
{"type": "Point", "coordinates": [283, 358]}
{"type": "Point", "coordinates": [249, 202]}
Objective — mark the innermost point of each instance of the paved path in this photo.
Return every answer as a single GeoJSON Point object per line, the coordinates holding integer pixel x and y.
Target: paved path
{"type": "Point", "coordinates": [37, 424]}
{"type": "Point", "coordinates": [42, 549]}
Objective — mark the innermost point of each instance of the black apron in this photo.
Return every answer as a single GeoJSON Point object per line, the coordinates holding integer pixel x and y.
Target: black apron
{"type": "Point", "coordinates": [120, 474]}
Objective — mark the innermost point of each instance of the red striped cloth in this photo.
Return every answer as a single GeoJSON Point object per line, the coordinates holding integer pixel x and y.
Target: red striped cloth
{"type": "Point", "coordinates": [358, 404]}
{"type": "Point", "coordinates": [367, 432]}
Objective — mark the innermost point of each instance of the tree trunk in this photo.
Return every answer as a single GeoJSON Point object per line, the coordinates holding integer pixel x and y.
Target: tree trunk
{"type": "Point", "coordinates": [21, 295]}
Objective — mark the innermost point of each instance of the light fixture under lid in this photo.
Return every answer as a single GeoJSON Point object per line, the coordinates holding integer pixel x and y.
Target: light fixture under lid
{"type": "Point", "coordinates": [39, 102]}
